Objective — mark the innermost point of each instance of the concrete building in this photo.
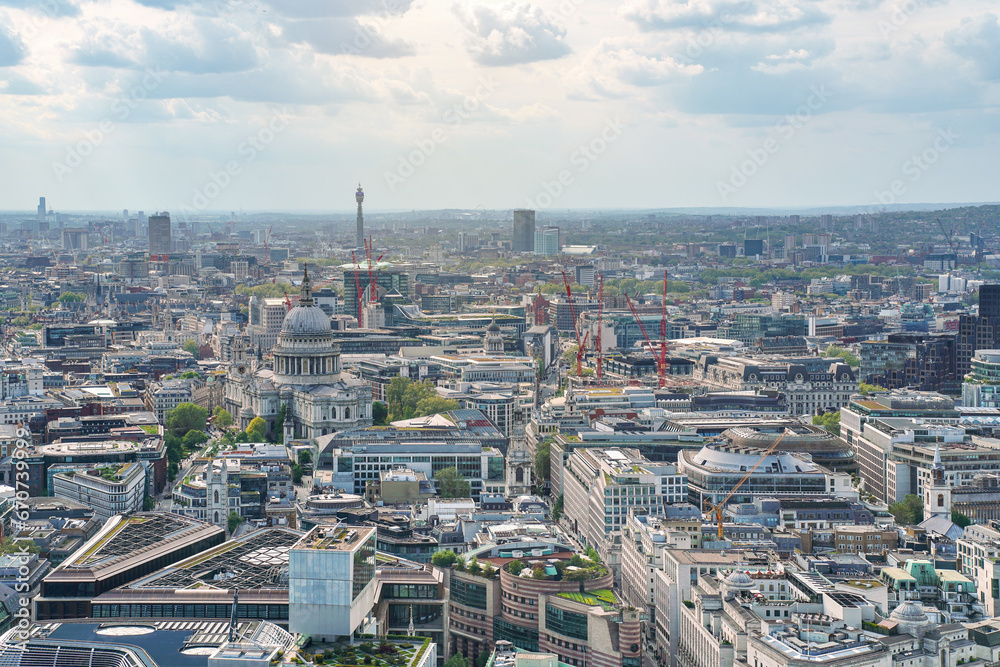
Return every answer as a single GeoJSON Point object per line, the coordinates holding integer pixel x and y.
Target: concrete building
{"type": "Point", "coordinates": [981, 388]}
{"type": "Point", "coordinates": [601, 486]}
{"type": "Point", "coordinates": [74, 238]}
{"type": "Point", "coordinates": [109, 490]}
{"type": "Point", "coordinates": [547, 241]}
{"type": "Point", "coordinates": [331, 581]}
{"type": "Point", "coordinates": [524, 231]}
{"type": "Point", "coordinates": [160, 236]}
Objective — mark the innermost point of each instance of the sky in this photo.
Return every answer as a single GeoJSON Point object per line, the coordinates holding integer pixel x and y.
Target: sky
{"type": "Point", "coordinates": [200, 106]}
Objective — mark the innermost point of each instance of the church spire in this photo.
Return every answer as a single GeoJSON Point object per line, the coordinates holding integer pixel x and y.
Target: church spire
{"type": "Point", "coordinates": [306, 298]}
{"type": "Point", "coordinates": [937, 468]}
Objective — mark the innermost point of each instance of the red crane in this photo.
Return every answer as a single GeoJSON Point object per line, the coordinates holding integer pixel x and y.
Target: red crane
{"type": "Point", "coordinates": [357, 284]}
{"type": "Point", "coordinates": [645, 335]}
{"type": "Point", "coordinates": [663, 335]}
{"type": "Point", "coordinates": [580, 342]}
{"type": "Point", "coordinates": [288, 302]}
{"type": "Point", "coordinates": [600, 314]}
{"type": "Point", "coordinates": [372, 290]}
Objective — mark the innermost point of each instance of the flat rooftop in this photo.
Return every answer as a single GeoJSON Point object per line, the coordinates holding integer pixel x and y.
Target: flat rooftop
{"type": "Point", "coordinates": [337, 538]}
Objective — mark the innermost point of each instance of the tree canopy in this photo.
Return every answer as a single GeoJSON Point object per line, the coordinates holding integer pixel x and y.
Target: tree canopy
{"type": "Point", "coordinates": [909, 511]}
{"type": "Point", "coordinates": [185, 417]}
{"type": "Point", "coordinates": [451, 484]}
{"type": "Point", "coordinates": [190, 346]}
{"type": "Point", "coordinates": [866, 388]}
{"type": "Point", "coordinates": [256, 429]}
{"type": "Point", "coordinates": [407, 399]}
{"type": "Point", "coordinates": [542, 463]}
{"type": "Point", "coordinates": [71, 297]}
{"type": "Point", "coordinates": [234, 520]}
{"type": "Point", "coordinates": [828, 420]}
{"type": "Point", "coordinates": [380, 413]}
{"type": "Point", "coordinates": [222, 418]}
{"type": "Point", "coordinates": [849, 357]}
{"type": "Point", "coordinates": [444, 558]}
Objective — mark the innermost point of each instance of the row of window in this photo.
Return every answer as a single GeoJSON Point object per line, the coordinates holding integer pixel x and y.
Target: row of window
{"type": "Point", "coordinates": [267, 611]}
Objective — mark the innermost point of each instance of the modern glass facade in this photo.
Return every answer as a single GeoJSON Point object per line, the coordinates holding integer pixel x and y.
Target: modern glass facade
{"type": "Point", "coordinates": [567, 623]}
{"type": "Point", "coordinates": [364, 567]}
{"type": "Point", "coordinates": [468, 594]}
{"type": "Point", "coordinates": [521, 637]}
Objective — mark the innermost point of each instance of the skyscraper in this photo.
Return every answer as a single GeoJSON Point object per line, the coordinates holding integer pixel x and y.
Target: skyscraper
{"type": "Point", "coordinates": [524, 231]}
{"type": "Point", "coordinates": [41, 208]}
{"type": "Point", "coordinates": [159, 234]}
{"type": "Point", "coordinates": [360, 197]}
{"type": "Point", "coordinates": [989, 301]}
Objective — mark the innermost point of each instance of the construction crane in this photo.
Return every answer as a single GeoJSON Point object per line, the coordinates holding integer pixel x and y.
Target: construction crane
{"type": "Point", "coordinates": [357, 284]}
{"type": "Point", "coordinates": [717, 509]}
{"type": "Point", "coordinates": [267, 243]}
{"type": "Point", "coordinates": [288, 302]}
{"type": "Point", "coordinates": [600, 316]}
{"type": "Point", "coordinates": [663, 335]}
{"type": "Point", "coordinates": [580, 342]}
{"type": "Point", "coordinates": [947, 236]}
{"type": "Point", "coordinates": [649, 343]}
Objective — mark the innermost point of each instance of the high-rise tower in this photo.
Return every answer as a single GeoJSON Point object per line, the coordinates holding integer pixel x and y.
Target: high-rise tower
{"type": "Point", "coordinates": [360, 197]}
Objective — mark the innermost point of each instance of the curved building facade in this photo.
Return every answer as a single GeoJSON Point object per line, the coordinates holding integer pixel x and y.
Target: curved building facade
{"type": "Point", "coordinates": [714, 470]}
{"type": "Point", "coordinates": [823, 447]}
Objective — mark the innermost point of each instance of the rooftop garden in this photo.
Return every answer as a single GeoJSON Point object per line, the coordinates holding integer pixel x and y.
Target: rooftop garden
{"type": "Point", "coordinates": [393, 651]}
{"type": "Point", "coordinates": [602, 597]}
{"type": "Point", "coordinates": [151, 429]}
{"type": "Point", "coordinates": [578, 568]}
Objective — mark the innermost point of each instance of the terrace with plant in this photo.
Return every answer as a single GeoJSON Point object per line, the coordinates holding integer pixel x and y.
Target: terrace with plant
{"type": "Point", "coordinates": [392, 651]}
{"type": "Point", "coordinates": [579, 567]}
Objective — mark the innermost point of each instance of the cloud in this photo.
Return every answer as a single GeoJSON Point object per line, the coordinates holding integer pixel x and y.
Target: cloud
{"type": "Point", "coordinates": [12, 50]}
{"type": "Point", "coordinates": [344, 36]}
{"type": "Point", "coordinates": [734, 15]}
{"type": "Point", "coordinates": [616, 66]}
{"type": "Point", "coordinates": [978, 41]}
{"type": "Point", "coordinates": [511, 33]}
{"type": "Point", "coordinates": [53, 8]}
{"type": "Point", "coordinates": [338, 8]}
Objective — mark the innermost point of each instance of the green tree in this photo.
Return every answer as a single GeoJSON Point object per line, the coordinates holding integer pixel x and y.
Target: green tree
{"type": "Point", "coordinates": [828, 420]}
{"type": "Point", "coordinates": [256, 430]}
{"type": "Point", "coordinates": [542, 465]}
{"type": "Point", "coordinates": [482, 659]}
{"type": "Point", "coordinates": [305, 457]}
{"type": "Point", "coordinates": [185, 417]}
{"type": "Point", "coordinates": [380, 413]}
{"type": "Point", "coordinates": [451, 484]}
{"type": "Point", "coordinates": [148, 504]}
{"type": "Point", "coordinates": [516, 567]}
{"type": "Point", "coordinates": [194, 439]}
{"type": "Point", "coordinates": [222, 418]}
{"type": "Point", "coordinates": [444, 558]}
{"type": "Point", "coordinates": [960, 519]}
{"type": "Point", "coordinates": [557, 509]}
{"type": "Point", "coordinates": [296, 474]}
{"type": "Point", "coordinates": [569, 356]}
{"type": "Point", "coordinates": [234, 520]}
{"type": "Point", "coordinates": [403, 395]}
{"type": "Point", "coordinates": [172, 469]}
{"type": "Point", "coordinates": [71, 297]}
{"type": "Point", "coordinates": [909, 511]}
{"type": "Point", "coordinates": [11, 546]}
{"type": "Point", "coordinates": [457, 660]}
{"type": "Point", "coordinates": [435, 405]}
{"type": "Point", "coordinates": [849, 358]}
{"type": "Point", "coordinates": [190, 375]}
{"type": "Point", "coordinates": [866, 388]}
{"type": "Point", "coordinates": [191, 346]}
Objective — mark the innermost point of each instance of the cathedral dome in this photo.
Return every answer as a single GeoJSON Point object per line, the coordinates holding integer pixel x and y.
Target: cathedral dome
{"type": "Point", "coordinates": [306, 320]}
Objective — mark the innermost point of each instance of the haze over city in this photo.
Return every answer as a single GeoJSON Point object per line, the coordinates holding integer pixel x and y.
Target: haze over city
{"type": "Point", "coordinates": [640, 104]}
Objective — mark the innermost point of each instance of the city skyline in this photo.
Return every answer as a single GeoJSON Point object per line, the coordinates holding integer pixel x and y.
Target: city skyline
{"type": "Point", "coordinates": [546, 105]}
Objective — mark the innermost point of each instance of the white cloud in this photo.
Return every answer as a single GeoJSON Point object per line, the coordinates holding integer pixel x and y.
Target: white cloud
{"type": "Point", "coordinates": [11, 47]}
{"type": "Point", "coordinates": [742, 15]}
{"type": "Point", "coordinates": [511, 33]}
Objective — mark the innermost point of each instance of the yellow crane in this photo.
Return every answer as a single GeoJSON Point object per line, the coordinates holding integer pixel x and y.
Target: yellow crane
{"type": "Point", "coordinates": [717, 509]}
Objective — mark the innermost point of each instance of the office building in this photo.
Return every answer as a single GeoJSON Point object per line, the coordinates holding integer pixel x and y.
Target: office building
{"type": "Point", "coordinates": [468, 241]}
{"type": "Point", "coordinates": [331, 581]}
{"type": "Point", "coordinates": [711, 469]}
{"type": "Point", "coordinates": [118, 488]}
{"type": "Point", "coordinates": [753, 248]}
{"type": "Point", "coordinates": [41, 210]}
{"type": "Point", "coordinates": [524, 231]}
{"type": "Point", "coordinates": [586, 275]}
{"type": "Point", "coordinates": [160, 234]}
{"type": "Point", "coordinates": [547, 241]}
{"type": "Point", "coordinates": [123, 550]}
{"type": "Point", "coordinates": [981, 388]}
{"type": "Point", "coordinates": [600, 486]}
{"type": "Point", "coordinates": [74, 238]}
